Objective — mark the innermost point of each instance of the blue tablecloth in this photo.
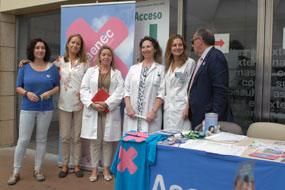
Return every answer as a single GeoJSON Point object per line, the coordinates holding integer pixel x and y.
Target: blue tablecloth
{"type": "Point", "coordinates": [186, 169]}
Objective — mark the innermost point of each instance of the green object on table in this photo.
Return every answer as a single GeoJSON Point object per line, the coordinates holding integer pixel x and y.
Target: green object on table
{"type": "Point", "coordinates": [194, 135]}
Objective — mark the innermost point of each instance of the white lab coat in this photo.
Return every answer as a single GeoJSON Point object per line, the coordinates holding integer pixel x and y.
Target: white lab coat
{"type": "Point", "coordinates": [154, 88]}
{"type": "Point", "coordinates": [176, 85]}
{"type": "Point", "coordinates": [89, 88]}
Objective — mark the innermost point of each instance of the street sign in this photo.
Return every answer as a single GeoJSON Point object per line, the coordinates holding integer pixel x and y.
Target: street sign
{"type": "Point", "coordinates": [222, 42]}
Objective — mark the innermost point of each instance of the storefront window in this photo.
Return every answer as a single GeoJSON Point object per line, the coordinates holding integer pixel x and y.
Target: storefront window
{"type": "Point", "coordinates": [238, 20]}
{"type": "Point", "coordinates": [277, 100]}
{"type": "Point", "coordinates": [47, 27]}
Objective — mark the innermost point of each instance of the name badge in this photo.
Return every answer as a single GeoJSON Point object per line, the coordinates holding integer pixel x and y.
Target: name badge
{"type": "Point", "coordinates": [156, 80]}
{"type": "Point", "coordinates": [178, 74]}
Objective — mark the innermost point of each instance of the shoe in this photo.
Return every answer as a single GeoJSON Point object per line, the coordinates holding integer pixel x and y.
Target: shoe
{"type": "Point", "coordinates": [39, 175]}
{"type": "Point", "coordinates": [79, 174]}
{"type": "Point", "coordinates": [93, 178]}
{"type": "Point", "coordinates": [107, 177]}
{"type": "Point", "coordinates": [62, 174]}
{"type": "Point", "coordinates": [13, 179]}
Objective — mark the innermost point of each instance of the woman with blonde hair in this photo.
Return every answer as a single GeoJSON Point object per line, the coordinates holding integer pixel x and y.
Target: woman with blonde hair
{"type": "Point", "coordinates": [102, 128]}
{"type": "Point", "coordinates": [178, 71]}
{"type": "Point", "coordinates": [72, 67]}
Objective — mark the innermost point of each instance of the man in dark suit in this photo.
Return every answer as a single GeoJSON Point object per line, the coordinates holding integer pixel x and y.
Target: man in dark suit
{"type": "Point", "coordinates": [208, 88]}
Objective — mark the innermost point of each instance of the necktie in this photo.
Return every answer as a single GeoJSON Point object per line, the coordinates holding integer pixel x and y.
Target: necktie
{"type": "Point", "coordinates": [200, 60]}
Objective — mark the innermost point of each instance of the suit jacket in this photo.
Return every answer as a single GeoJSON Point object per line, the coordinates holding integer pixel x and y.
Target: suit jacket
{"type": "Point", "coordinates": [209, 92]}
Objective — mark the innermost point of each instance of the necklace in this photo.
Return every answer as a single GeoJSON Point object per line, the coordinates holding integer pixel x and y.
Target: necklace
{"type": "Point", "coordinates": [73, 62]}
{"type": "Point", "coordinates": [104, 75]}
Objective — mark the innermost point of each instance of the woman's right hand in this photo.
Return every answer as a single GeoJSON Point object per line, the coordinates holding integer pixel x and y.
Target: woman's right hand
{"type": "Point", "coordinates": [98, 107]}
{"type": "Point", "coordinates": [131, 112]}
{"type": "Point", "coordinates": [23, 62]}
{"type": "Point", "coordinates": [32, 97]}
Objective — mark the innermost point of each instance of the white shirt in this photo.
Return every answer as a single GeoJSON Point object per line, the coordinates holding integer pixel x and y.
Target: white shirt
{"type": "Point", "coordinates": [204, 54]}
{"type": "Point", "coordinates": [154, 88]}
{"type": "Point", "coordinates": [89, 88]}
{"type": "Point", "coordinates": [70, 83]}
{"type": "Point", "coordinates": [176, 99]}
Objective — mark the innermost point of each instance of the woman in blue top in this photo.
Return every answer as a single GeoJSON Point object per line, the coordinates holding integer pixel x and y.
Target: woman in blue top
{"type": "Point", "coordinates": [37, 82]}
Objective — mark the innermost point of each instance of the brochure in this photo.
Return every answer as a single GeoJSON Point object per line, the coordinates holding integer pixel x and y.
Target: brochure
{"type": "Point", "coordinates": [245, 176]}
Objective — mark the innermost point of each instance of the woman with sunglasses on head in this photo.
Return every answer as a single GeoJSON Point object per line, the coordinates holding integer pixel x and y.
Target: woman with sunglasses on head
{"type": "Point", "coordinates": [37, 81]}
{"type": "Point", "coordinates": [178, 71]}
{"type": "Point", "coordinates": [72, 67]}
{"type": "Point", "coordinates": [102, 128]}
{"type": "Point", "coordinates": [144, 90]}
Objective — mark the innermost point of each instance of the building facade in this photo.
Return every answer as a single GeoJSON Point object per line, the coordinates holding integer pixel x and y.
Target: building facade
{"type": "Point", "coordinates": [255, 50]}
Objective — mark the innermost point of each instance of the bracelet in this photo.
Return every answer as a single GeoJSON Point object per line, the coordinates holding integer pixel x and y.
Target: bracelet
{"type": "Point", "coordinates": [26, 93]}
{"type": "Point", "coordinates": [153, 110]}
{"type": "Point", "coordinates": [128, 108]}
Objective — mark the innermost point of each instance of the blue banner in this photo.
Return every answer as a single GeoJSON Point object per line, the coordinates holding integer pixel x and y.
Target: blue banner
{"type": "Point", "coordinates": [185, 169]}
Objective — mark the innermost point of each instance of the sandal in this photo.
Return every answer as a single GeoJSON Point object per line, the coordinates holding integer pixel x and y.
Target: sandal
{"type": "Point", "coordinates": [39, 175]}
{"type": "Point", "coordinates": [13, 179]}
{"type": "Point", "coordinates": [108, 177]}
{"type": "Point", "coordinates": [93, 178]}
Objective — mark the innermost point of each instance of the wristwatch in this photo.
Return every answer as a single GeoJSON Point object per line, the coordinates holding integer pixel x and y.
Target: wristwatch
{"type": "Point", "coordinates": [26, 93]}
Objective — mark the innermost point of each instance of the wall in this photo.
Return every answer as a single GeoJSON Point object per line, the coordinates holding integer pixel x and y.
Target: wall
{"type": "Point", "coordinates": [7, 78]}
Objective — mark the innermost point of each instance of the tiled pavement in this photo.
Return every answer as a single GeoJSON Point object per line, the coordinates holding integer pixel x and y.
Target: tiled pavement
{"type": "Point", "coordinates": [50, 169]}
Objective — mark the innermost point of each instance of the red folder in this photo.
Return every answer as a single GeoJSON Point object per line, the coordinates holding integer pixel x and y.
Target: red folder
{"type": "Point", "coordinates": [101, 96]}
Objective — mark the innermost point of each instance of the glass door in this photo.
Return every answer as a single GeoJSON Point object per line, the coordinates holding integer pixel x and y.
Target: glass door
{"type": "Point", "coordinates": [236, 22]}
{"type": "Point", "coordinates": [277, 85]}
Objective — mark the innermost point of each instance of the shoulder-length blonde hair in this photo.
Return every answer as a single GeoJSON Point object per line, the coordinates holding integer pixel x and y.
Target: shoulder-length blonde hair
{"type": "Point", "coordinates": [168, 57]}
{"type": "Point", "coordinates": [98, 61]}
{"type": "Point", "coordinates": [81, 54]}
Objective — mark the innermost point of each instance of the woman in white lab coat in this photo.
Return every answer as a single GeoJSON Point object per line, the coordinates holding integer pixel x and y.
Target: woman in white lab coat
{"type": "Point", "coordinates": [144, 90]}
{"type": "Point", "coordinates": [178, 71]}
{"type": "Point", "coordinates": [100, 127]}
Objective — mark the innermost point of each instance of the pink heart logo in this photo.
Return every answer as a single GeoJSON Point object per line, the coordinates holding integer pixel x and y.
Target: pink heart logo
{"type": "Point", "coordinates": [112, 33]}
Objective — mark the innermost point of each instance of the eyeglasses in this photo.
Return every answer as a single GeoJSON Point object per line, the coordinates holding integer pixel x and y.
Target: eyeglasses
{"type": "Point", "coordinates": [192, 41]}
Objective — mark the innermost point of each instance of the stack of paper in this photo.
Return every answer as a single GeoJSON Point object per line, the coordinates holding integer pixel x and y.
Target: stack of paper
{"type": "Point", "coordinates": [227, 137]}
{"type": "Point", "coordinates": [217, 148]}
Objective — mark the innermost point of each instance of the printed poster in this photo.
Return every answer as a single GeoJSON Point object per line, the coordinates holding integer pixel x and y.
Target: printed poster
{"type": "Point", "coordinates": [152, 19]}
{"type": "Point", "coordinates": [245, 176]}
{"type": "Point", "coordinates": [109, 24]}
{"type": "Point", "coordinates": [101, 24]}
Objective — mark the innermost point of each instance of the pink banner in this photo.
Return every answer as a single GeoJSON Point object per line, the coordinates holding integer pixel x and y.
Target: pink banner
{"type": "Point", "coordinates": [112, 33]}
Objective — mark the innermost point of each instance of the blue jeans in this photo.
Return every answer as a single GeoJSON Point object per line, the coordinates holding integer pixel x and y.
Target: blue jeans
{"type": "Point", "coordinates": [28, 119]}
